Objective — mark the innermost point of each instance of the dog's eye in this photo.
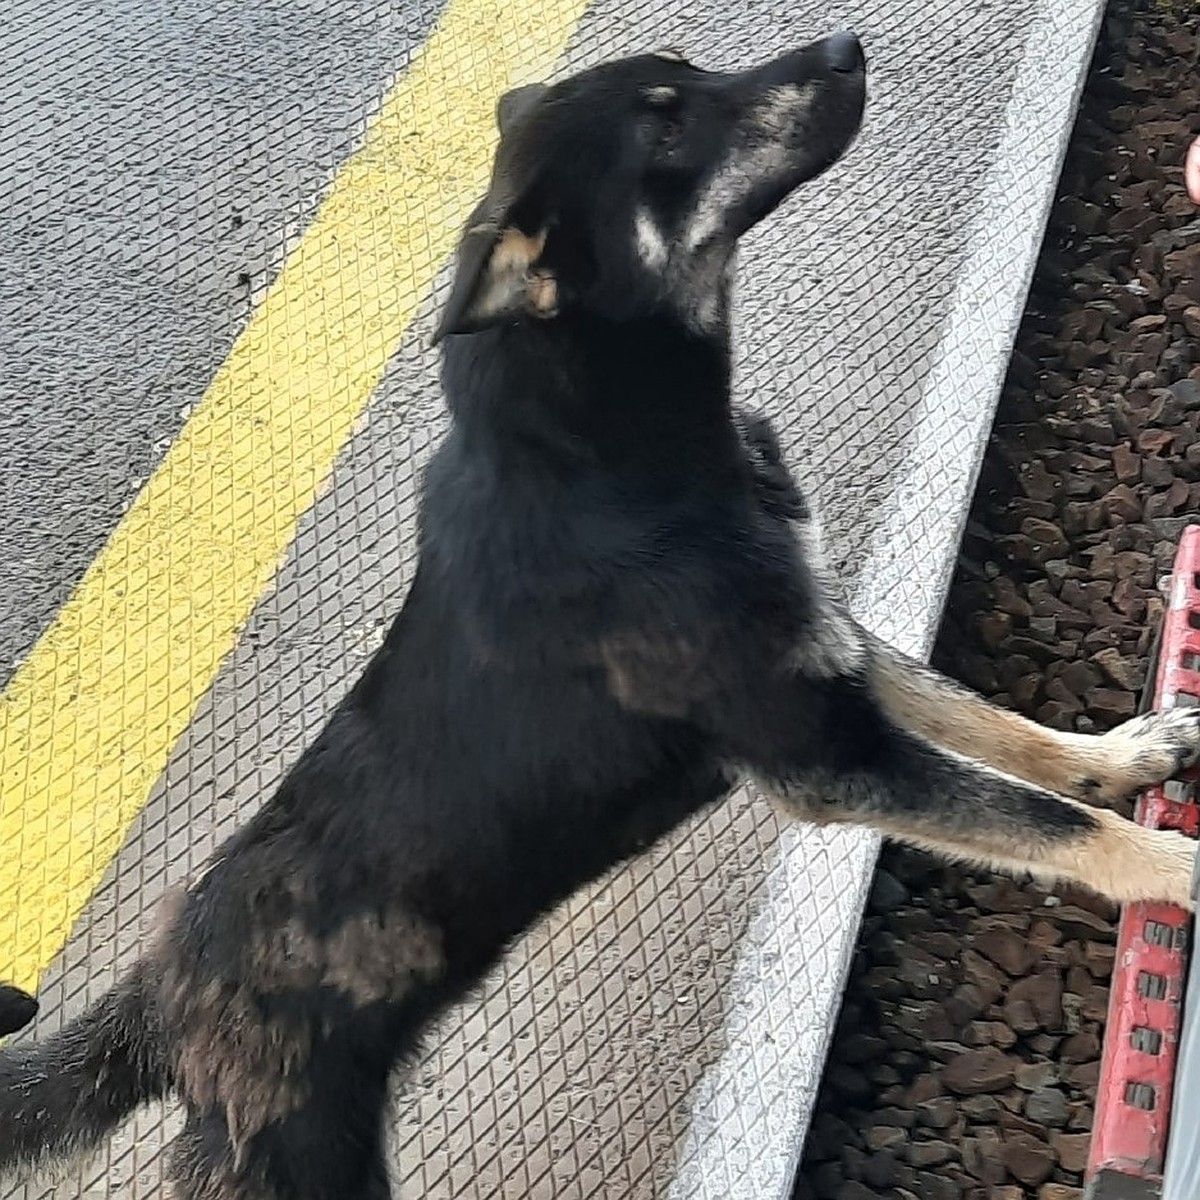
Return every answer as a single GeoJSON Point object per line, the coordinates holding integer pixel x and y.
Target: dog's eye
{"type": "Point", "coordinates": [661, 98]}
{"type": "Point", "coordinates": [665, 102]}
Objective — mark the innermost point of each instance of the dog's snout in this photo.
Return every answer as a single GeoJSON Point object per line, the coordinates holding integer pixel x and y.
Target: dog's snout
{"type": "Point", "coordinates": [843, 52]}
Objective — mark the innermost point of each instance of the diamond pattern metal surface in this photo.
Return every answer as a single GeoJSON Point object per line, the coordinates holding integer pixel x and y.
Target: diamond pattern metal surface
{"type": "Point", "coordinates": [662, 1033]}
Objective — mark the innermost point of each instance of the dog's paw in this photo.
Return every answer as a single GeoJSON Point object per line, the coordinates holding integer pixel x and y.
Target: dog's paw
{"type": "Point", "coordinates": [1147, 750]}
{"type": "Point", "coordinates": [1130, 863]}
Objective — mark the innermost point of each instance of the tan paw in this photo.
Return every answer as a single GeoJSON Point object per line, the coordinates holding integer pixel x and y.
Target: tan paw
{"type": "Point", "coordinates": [1127, 862]}
{"type": "Point", "coordinates": [1145, 751]}
{"type": "Point", "coordinates": [1150, 864]}
{"type": "Point", "coordinates": [1178, 862]}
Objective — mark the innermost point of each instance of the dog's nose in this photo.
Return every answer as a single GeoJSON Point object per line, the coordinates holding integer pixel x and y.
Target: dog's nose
{"type": "Point", "coordinates": [843, 52]}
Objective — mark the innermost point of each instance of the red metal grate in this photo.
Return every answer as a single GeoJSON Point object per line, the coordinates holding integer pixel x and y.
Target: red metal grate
{"type": "Point", "coordinates": [1137, 1070]}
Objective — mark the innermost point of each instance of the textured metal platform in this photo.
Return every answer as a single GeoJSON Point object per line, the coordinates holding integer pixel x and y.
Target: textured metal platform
{"type": "Point", "coordinates": [223, 234]}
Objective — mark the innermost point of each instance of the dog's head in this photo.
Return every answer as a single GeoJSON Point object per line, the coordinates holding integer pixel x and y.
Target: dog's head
{"type": "Point", "coordinates": [623, 190]}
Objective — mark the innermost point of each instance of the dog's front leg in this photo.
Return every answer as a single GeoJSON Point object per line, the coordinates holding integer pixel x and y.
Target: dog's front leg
{"type": "Point", "coordinates": [1101, 768]}
{"type": "Point", "coordinates": [839, 728]}
{"type": "Point", "coordinates": [916, 792]}
{"type": "Point", "coordinates": [839, 747]}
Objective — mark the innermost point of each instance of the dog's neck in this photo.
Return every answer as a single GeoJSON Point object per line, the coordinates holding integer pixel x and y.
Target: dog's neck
{"type": "Point", "coordinates": [633, 396]}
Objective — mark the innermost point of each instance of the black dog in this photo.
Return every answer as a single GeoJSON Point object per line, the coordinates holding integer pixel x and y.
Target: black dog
{"type": "Point", "coordinates": [616, 614]}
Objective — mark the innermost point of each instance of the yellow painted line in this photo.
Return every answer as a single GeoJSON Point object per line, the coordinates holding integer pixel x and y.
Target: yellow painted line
{"type": "Point", "coordinates": [89, 719]}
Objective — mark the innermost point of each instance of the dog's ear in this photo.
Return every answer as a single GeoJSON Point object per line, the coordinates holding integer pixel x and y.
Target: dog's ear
{"type": "Point", "coordinates": [498, 278]}
{"type": "Point", "coordinates": [515, 103]}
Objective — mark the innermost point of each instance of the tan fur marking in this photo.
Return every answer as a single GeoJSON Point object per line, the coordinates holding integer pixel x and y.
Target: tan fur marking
{"type": "Point", "coordinates": [380, 956]}
{"type": "Point", "coordinates": [962, 723]}
{"type": "Point", "coordinates": [1104, 768]}
{"type": "Point", "coordinates": [166, 917]}
{"type": "Point", "coordinates": [659, 676]}
{"type": "Point", "coordinates": [199, 1177]}
{"type": "Point", "coordinates": [543, 293]}
{"type": "Point", "coordinates": [512, 283]}
{"type": "Point", "coordinates": [517, 251]}
{"type": "Point", "coordinates": [229, 1055]}
{"type": "Point", "coordinates": [370, 957]}
{"type": "Point", "coordinates": [1120, 859]}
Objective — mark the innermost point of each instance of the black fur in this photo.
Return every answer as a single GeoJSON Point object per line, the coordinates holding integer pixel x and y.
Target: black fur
{"type": "Point", "coordinates": [613, 615]}
{"type": "Point", "coordinates": [75, 1088]}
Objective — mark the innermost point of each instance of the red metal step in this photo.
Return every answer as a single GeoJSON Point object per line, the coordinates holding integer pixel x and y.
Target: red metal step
{"type": "Point", "coordinates": [1137, 1069]}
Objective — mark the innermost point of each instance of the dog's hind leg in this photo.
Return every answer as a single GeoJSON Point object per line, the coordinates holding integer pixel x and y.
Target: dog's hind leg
{"type": "Point", "coordinates": [1104, 768]}
{"type": "Point", "coordinates": [203, 1166]}
{"type": "Point", "coordinates": [330, 1146]}
{"type": "Point", "coordinates": [201, 1163]}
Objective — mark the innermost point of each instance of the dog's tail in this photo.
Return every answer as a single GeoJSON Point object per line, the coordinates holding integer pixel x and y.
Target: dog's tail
{"type": "Point", "coordinates": [65, 1094]}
